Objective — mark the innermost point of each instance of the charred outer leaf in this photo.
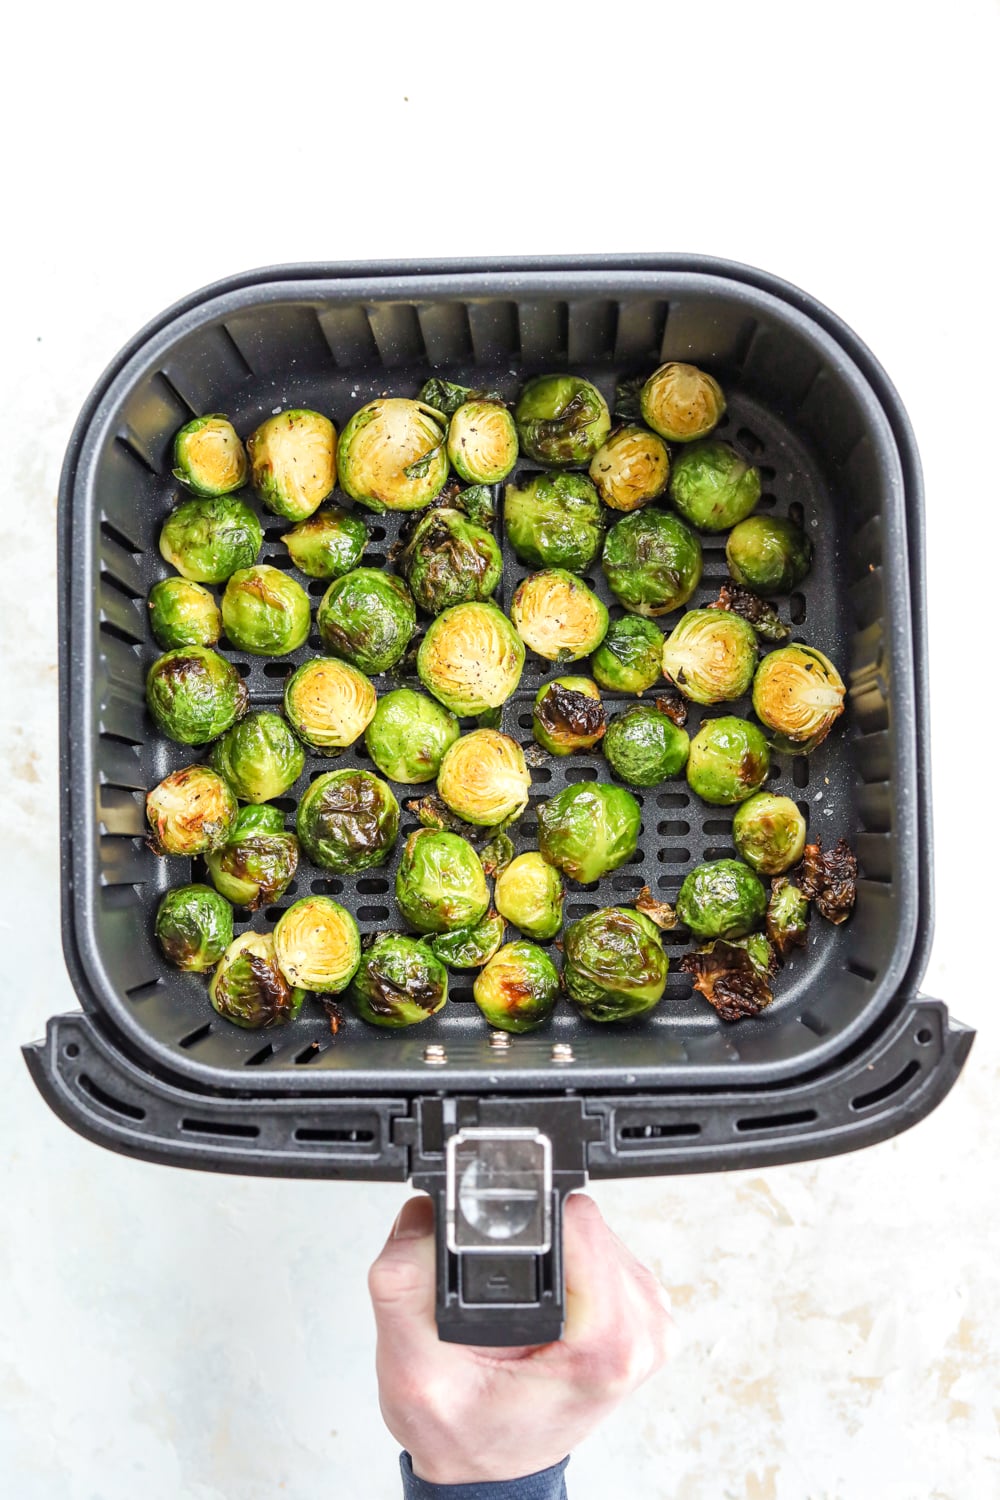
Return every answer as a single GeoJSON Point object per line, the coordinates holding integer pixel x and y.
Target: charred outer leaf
{"type": "Point", "coordinates": [733, 977]}
{"type": "Point", "coordinates": [673, 703]}
{"type": "Point", "coordinates": [829, 879]}
{"type": "Point", "coordinates": [659, 912]}
{"type": "Point", "coordinates": [738, 600]}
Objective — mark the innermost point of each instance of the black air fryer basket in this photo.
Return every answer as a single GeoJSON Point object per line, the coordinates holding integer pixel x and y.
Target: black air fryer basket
{"type": "Point", "coordinates": [848, 1054]}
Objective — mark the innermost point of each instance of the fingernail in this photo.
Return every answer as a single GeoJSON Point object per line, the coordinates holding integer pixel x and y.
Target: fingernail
{"type": "Point", "coordinates": [414, 1221]}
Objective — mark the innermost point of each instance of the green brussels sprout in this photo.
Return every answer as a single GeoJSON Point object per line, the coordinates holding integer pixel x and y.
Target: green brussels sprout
{"type": "Point", "coordinates": [260, 757]}
{"type": "Point", "coordinates": [529, 893]}
{"type": "Point", "coordinates": [399, 982]}
{"type": "Point", "coordinates": [471, 658]}
{"type": "Point", "coordinates": [265, 612]}
{"type": "Point", "coordinates": [194, 927]}
{"type": "Point", "coordinates": [769, 832]}
{"type": "Point", "coordinates": [392, 455]}
{"type": "Point", "coordinates": [293, 462]}
{"type": "Point", "coordinates": [713, 487]}
{"type": "Point", "coordinates": [484, 779]}
{"type": "Point", "coordinates": [628, 659]}
{"type": "Point", "coordinates": [721, 899]}
{"type": "Point", "coordinates": [556, 614]}
{"type": "Point", "coordinates": [317, 945]}
{"type": "Point", "coordinates": [728, 761]}
{"type": "Point", "coordinates": [482, 442]}
{"type": "Point", "coordinates": [327, 544]}
{"type": "Point", "coordinates": [191, 811]}
{"type": "Point", "coordinates": [615, 967]}
{"type": "Point", "coordinates": [631, 469]}
{"type": "Point", "coordinates": [588, 829]}
{"type": "Point", "coordinates": [562, 420]}
{"type": "Point", "coordinates": [652, 562]}
{"type": "Point", "coordinates": [183, 614]}
{"type": "Point", "coordinates": [367, 618]}
{"type": "Point", "coordinates": [711, 655]}
{"type": "Point", "coordinates": [554, 521]}
{"type": "Point", "coordinates": [450, 560]}
{"type": "Point", "coordinates": [209, 457]}
{"type": "Point", "coordinates": [440, 884]}
{"type": "Point", "coordinates": [249, 989]}
{"type": "Point", "coordinates": [194, 694]}
{"type": "Point", "coordinates": [329, 704]}
{"type": "Point", "coordinates": [787, 915]}
{"type": "Point", "coordinates": [681, 402]}
{"type": "Point", "coordinates": [207, 539]}
{"type": "Point", "coordinates": [769, 553]}
{"type": "Point", "coordinates": [409, 735]}
{"type": "Point", "coordinates": [518, 988]}
{"type": "Point", "coordinates": [257, 863]}
{"type": "Point", "coordinates": [568, 715]}
{"type": "Point", "coordinates": [347, 821]}
{"type": "Point", "coordinates": [644, 747]}
{"type": "Point", "coordinates": [469, 947]}
{"type": "Point", "coordinates": [799, 695]}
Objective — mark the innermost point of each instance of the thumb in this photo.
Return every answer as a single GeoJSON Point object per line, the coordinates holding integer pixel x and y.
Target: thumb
{"type": "Point", "coordinates": [402, 1281]}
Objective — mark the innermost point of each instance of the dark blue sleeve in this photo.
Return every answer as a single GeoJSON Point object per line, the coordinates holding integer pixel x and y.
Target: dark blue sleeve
{"type": "Point", "coordinates": [548, 1484]}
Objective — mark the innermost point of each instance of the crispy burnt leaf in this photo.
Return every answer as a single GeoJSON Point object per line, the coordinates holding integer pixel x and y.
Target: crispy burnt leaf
{"type": "Point", "coordinates": [433, 813]}
{"type": "Point", "coordinates": [565, 712]}
{"type": "Point", "coordinates": [627, 394]}
{"type": "Point", "coordinates": [734, 977]}
{"type": "Point", "coordinates": [829, 879]}
{"type": "Point", "coordinates": [671, 701]}
{"type": "Point", "coordinates": [787, 915]}
{"type": "Point", "coordinates": [657, 911]}
{"type": "Point", "coordinates": [742, 601]}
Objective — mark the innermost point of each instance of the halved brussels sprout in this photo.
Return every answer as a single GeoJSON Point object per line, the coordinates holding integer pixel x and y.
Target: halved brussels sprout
{"type": "Point", "coordinates": [787, 915]}
{"type": "Point", "coordinates": [710, 655]}
{"type": "Point", "coordinates": [631, 469]}
{"type": "Point", "coordinates": [554, 521]}
{"type": "Point", "coordinates": [529, 893]}
{"type": "Point", "coordinates": [644, 747]}
{"type": "Point", "coordinates": [652, 562]}
{"type": "Point", "coordinates": [182, 613]}
{"type": "Point", "coordinates": [194, 927]}
{"type": "Point", "coordinates": [769, 553]}
{"type": "Point", "coordinates": [440, 883]}
{"type": "Point", "coordinates": [194, 694]}
{"type": "Point", "coordinates": [317, 945]}
{"type": "Point", "coordinates": [681, 402]}
{"type": "Point", "coordinates": [615, 967]}
{"type": "Point", "coordinates": [209, 457]}
{"type": "Point", "coordinates": [483, 778]}
{"type": "Point", "coordinates": [265, 612]}
{"type": "Point", "coordinates": [409, 735]}
{"type": "Point", "coordinates": [799, 695]}
{"type": "Point", "coordinates": [367, 617]}
{"type": "Point", "coordinates": [588, 829]}
{"type": "Point", "coordinates": [207, 539]}
{"type": "Point", "coordinates": [347, 821]}
{"type": "Point", "coordinates": [562, 420]}
{"type": "Point", "coordinates": [482, 442]}
{"type": "Point", "coordinates": [399, 982]}
{"type": "Point", "coordinates": [469, 947]}
{"type": "Point", "coordinates": [568, 715]}
{"type": "Point", "coordinates": [260, 757]}
{"type": "Point", "coordinates": [293, 462]}
{"type": "Point", "coordinates": [258, 861]}
{"type": "Point", "coordinates": [713, 487]}
{"type": "Point", "coordinates": [249, 989]}
{"type": "Point", "coordinates": [392, 455]}
{"type": "Point", "coordinates": [558, 616]}
{"type": "Point", "coordinates": [769, 833]}
{"type": "Point", "coordinates": [518, 988]}
{"type": "Point", "coordinates": [471, 658]}
{"type": "Point", "coordinates": [329, 703]}
{"type": "Point", "coordinates": [721, 899]}
{"type": "Point", "coordinates": [327, 544]}
{"type": "Point", "coordinates": [728, 761]}
{"type": "Point", "coordinates": [628, 659]}
{"type": "Point", "coordinates": [450, 560]}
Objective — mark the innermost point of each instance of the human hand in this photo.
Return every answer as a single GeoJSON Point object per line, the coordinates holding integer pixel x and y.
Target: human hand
{"type": "Point", "coordinates": [470, 1414]}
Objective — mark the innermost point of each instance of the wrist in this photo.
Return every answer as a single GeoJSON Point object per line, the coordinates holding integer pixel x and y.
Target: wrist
{"type": "Point", "coordinates": [448, 1481]}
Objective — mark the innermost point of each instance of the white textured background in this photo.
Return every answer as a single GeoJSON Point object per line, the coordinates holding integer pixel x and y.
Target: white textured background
{"type": "Point", "coordinates": [165, 1334]}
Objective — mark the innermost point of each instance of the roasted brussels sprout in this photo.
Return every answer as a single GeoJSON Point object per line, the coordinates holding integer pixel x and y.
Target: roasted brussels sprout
{"type": "Point", "coordinates": [392, 455]}
{"type": "Point", "coordinates": [721, 899]}
{"type": "Point", "coordinates": [450, 560]}
{"type": "Point", "coordinates": [482, 442]}
{"type": "Point", "coordinates": [628, 660]}
{"type": "Point", "coordinates": [483, 778]}
{"type": "Point", "coordinates": [769, 553]}
{"type": "Point", "coordinates": [209, 457]}
{"type": "Point", "coordinates": [568, 715]}
{"type": "Point", "coordinates": [293, 462]}
{"type": "Point", "coordinates": [735, 978]}
{"type": "Point", "coordinates": [258, 861]}
{"type": "Point", "coordinates": [329, 703]}
{"type": "Point", "coordinates": [769, 833]}
{"type": "Point", "coordinates": [554, 521]}
{"type": "Point", "coordinates": [260, 757]}
{"type": "Point", "coordinates": [207, 539]}
{"type": "Point", "coordinates": [440, 883]}
{"type": "Point", "coordinates": [367, 618]}
{"type": "Point", "coordinates": [787, 915]}
{"type": "Point", "coordinates": [529, 893]}
{"type": "Point", "coordinates": [471, 658]}
{"type": "Point", "coordinates": [347, 821]}
{"type": "Point", "coordinates": [328, 543]}
{"type": "Point", "coordinates": [631, 469]}
{"type": "Point", "coordinates": [408, 736]}
{"type": "Point", "coordinates": [265, 612]}
{"type": "Point", "coordinates": [652, 562]}
{"type": "Point", "coordinates": [469, 947]}
{"type": "Point", "coordinates": [194, 927]}
{"type": "Point", "coordinates": [182, 613]}
{"type": "Point", "coordinates": [615, 967]}
{"type": "Point", "coordinates": [399, 982]}
{"type": "Point", "coordinates": [518, 988]}
{"type": "Point", "coordinates": [556, 614]}
{"type": "Point", "coordinates": [710, 655]}
{"type": "Point", "coordinates": [317, 945]}
{"type": "Point", "coordinates": [681, 402]}
{"type": "Point", "coordinates": [798, 694]}
{"type": "Point", "coordinates": [728, 761]}
{"type": "Point", "coordinates": [249, 989]}
{"type": "Point", "coordinates": [644, 747]}
{"type": "Point", "coordinates": [713, 487]}
{"type": "Point", "coordinates": [562, 420]}
{"type": "Point", "coordinates": [588, 829]}
{"type": "Point", "coordinates": [194, 694]}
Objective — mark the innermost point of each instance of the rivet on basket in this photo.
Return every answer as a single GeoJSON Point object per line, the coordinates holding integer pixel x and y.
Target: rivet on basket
{"type": "Point", "coordinates": [562, 1052]}
{"type": "Point", "coordinates": [435, 1054]}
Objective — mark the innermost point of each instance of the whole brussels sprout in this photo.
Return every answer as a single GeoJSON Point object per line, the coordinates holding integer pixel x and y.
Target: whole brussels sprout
{"type": "Point", "coordinates": [556, 614]}
{"type": "Point", "coordinates": [518, 988]}
{"type": "Point", "coordinates": [258, 861]}
{"type": "Point", "coordinates": [347, 821]}
{"type": "Point", "coordinates": [183, 614]}
{"type": "Point", "coordinates": [652, 562]}
{"type": "Point", "coordinates": [681, 402]}
{"type": "Point", "coordinates": [207, 539]}
{"type": "Point", "coordinates": [628, 659]}
{"type": "Point", "coordinates": [471, 658]}
{"type": "Point", "coordinates": [399, 982]}
{"type": "Point", "coordinates": [728, 761]}
{"type": "Point", "coordinates": [191, 811]}
{"type": "Point", "coordinates": [392, 455]}
{"type": "Point", "coordinates": [799, 695]}
{"type": "Point", "coordinates": [562, 420]}
{"type": "Point", "coordinates": [770, 833]}
{"type": "Point", "coordinates": [440, 883]}
{"type": "Point", "coordinates": [713, 487]}
{"type": "Point", "coordinates": [482, 442]}
{"type": "Point", "coordinates": [329, 703]}
{"type": "Point", "coordinates": [615, 967]}
{"type": "Point", "coordinates": [588, 829]}
{"type": "Point", "coordinates": [568, 715]}
{"type": "Point", "coordinates": [194, 927]}
{"type": "Point", "coordinates": [249, 989]}
{"type": "Point", "coordinates": [721, 899]}
{"type": "Point", "coordinates": [265, 612]}
{"type": "Point", "coordinates": [484, 779]}
{"type": "Point", "coordinates": [469, 947]}
{"type": "Point", "coordinates": [293, 462]}
{"type": "Point", "coordinates": [450, 560]}
{"type": "Point", "coordinates": [554, 521]}
{"type": "Point", "coordinates": [631, 469]}
{"type": "Point", "coordinates": [711, 655]}
{"type": "Point", "coordinates": [209, 457]}
{"type": "Point", "coordinates": [769, 553]}
{"type": "Point", "coordinates": [644, 747]}
{"type": "Point", "coordinates": [409, 735]}
{"type": "Point", "coordinates": [328, 543]}
{"type": "Point", "coordinates": [260, 757]}
{"type": "Point", "coordinates": [194, 694]}
{"type": "Point", "coordinates": [529, 893]}
{"type": "Point", "coordinates": [367, 617]}
{"type": "Point", "coordinates": [317, 945]}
